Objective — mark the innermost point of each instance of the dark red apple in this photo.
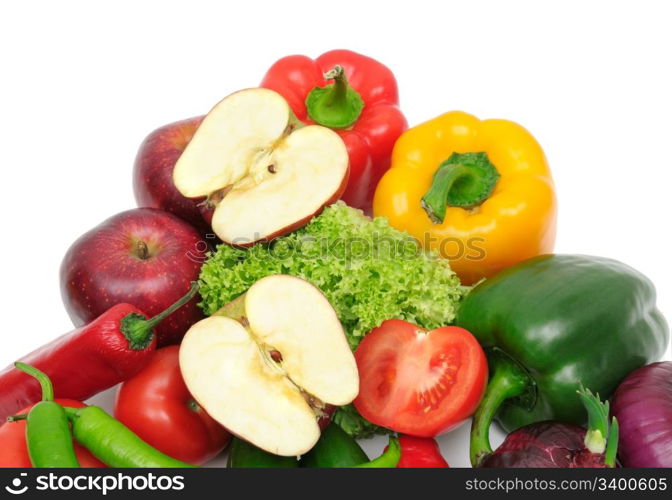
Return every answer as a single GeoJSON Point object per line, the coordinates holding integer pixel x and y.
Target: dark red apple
{"type": "Point", "coordinates": [153, 173]}
{"type": "Point", "coordinates": [145, 257]}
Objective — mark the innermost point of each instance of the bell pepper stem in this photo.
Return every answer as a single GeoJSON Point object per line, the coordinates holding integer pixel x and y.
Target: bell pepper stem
{"type": "Point", "coordinates": [337, 74]}
{"type": "Point", "coordinates": [42, 378]}
{"type": "Point", "coordinates": [139, 330]}
{"type": "Point", "coordinates": [508, 380]}
{"type": "Point", "coordinates": [388, 460]}
{"type": "Point", "coordinates": [463, 180]}
{"type": "Point", "coordinates": [336, 105]}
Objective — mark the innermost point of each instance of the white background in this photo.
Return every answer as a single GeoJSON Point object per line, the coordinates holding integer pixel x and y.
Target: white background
{"type": "Point", "coordinates": [83, 83]}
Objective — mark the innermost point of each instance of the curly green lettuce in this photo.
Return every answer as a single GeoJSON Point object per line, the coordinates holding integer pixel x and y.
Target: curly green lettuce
{"type": "Point", "coordinates": [368, 270]}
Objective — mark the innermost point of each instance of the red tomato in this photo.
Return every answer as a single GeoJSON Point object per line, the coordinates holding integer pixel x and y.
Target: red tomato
{"type": "Point", "coordinates": [420, 453]}
{"type": "Point", "coordinates": [156, 405]}
{"type": "Point", "coordinates": [13, 449]}
{"type": "Point", "coordinates": [418, 382]}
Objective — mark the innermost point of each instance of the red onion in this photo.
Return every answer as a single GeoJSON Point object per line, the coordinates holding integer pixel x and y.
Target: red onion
{"type": "Point", "coordinates": [643, 406]}
{"type": "Point", "coordinates": [545, 445]}
{"type": "Point", "coordinates": [561, 445]}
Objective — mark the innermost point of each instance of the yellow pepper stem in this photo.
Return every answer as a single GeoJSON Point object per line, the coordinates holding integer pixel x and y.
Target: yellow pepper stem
{"type": "Point", "coordinates": [463, 180]}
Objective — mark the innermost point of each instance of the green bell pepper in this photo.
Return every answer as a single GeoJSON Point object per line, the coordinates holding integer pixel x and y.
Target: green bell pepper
{"type": "Point", "coordinates": [552, 323]}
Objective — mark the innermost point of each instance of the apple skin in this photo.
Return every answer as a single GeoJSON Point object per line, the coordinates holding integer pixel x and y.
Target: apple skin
{"type": "Point", "coordinates": [325, 419]}
{"type": "Point", "coordinates": [105, 267]}
{"type": "Point", "coordinates": [153, 173]}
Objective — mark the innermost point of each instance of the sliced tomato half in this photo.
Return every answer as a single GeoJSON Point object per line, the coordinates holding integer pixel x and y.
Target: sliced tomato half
{"type": "Point", "coordinates": [419, 382]}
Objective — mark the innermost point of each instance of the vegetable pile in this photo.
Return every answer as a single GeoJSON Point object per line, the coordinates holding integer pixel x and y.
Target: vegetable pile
{"type": "Point", "coordinates": [356, 277]}
{"type": "Point", "coordinates": [368, 270]}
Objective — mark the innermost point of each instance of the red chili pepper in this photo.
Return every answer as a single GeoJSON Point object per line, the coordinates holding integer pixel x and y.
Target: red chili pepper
{"type": "Point", "coordinates": [420, 453]}
{"type": "Point", "coordinates": [361, 104]}
{"type": "Point", "coordinates": [112, 348]}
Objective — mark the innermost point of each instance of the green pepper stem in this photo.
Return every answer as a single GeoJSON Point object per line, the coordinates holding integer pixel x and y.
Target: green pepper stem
{"type": "Point", "coordinates": [340, 90]}
{"type": "Point", "coordinates": [139, 330]}
{"type": "Point", "coordinates": [42, 378]}
{"type": "Point", "coordinates": [463, 180]}
{"type": "Point", "coordinates": [16, 418]}
{"type": "Point", "coordinates": [507, 380]}
{"type": "Point", "coordinates": [336, 105]}
{"type": "Point", "coordinates": [388, 460]}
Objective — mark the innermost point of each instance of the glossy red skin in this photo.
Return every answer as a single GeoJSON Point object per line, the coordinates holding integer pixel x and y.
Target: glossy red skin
{"type": "Point", "coordinates": [80, 364]}
{"type": "Point", "coordinates": [100, 270]}
{"type": "Point", "coordinates": [545, 445]}
{"type": "Point", "coordinates": [153, 173]}
{"type": "Point", "coordinates": [392, 397]}
{"type": "Point", "coordinates": [420, 453]}
{"type": "Point", "coordinates": [13, 449]}
{"type": "Point", "coordinates": [156, 405]}
{"type": "Point", "coordinates": [643, 406]}
{"type": "Point", "coordinates": [371, 139]}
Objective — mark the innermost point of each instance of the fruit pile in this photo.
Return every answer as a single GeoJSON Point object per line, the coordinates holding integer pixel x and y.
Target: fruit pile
{"type": "Point", "coordinates": [304, 271]}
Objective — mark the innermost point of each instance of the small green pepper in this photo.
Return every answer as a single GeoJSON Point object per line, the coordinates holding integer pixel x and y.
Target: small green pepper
{"type": "Point", "coordinates": [244, 455]}
{"type": "Point", "coordinates": [113, 443]}
{"type": "Point", "coordinates": [388, 460]}
{"type": "Point", "coordinates": [334, 449]}
{"type": "Point", "coordinates": [48, 436]}
{"type": "Point", "coordinates": [337, 449]}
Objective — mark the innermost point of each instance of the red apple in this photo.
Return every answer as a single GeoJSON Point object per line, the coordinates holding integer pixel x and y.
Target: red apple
{"type": "Point", "coordinates": [145, 257]}
{"type": "Point", "coordinates": [153, 173]}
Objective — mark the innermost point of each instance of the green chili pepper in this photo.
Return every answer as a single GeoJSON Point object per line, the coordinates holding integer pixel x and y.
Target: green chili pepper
{"type": "Point", "coordinates": [337, 449]}
{"type": "Point", "coordinates": [334, 449]}
{"type": "Point", "coordinates": [113, 443]}
{"type": "Point", "coordinates": [388, 460]}
{"type": "Point", "coordinates": [48, 436]}
{"type": "Point", "coordinates": [245, 455]}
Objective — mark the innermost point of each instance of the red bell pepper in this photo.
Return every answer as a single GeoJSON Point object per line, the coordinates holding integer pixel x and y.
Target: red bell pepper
{"type": "Point", "coordinates": [112, 348]}
{"type": "Point", "coordinates": [361, 104]}
{"type": "Point", "coordinates": [420, 453]}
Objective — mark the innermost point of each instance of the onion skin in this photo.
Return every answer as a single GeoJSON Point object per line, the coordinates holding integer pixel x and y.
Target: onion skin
{"type": "Point", "coordinates": [545, 445]}
{"type": "Point", "coordinates": [643, 406]}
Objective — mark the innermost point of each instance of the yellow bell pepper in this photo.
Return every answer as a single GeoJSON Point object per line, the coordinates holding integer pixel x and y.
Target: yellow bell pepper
{"type": "Point", "coordinates": [478, 192]}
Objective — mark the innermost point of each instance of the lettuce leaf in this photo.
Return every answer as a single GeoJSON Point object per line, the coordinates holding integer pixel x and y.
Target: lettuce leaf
{"type": "Point", "coordinates": [368, 270]}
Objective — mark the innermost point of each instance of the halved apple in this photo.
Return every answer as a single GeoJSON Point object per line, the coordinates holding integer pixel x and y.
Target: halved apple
{"type": "Point", "coordinates": [264, 172]}
{"type": "Point", "coordinates": [266, 366]}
